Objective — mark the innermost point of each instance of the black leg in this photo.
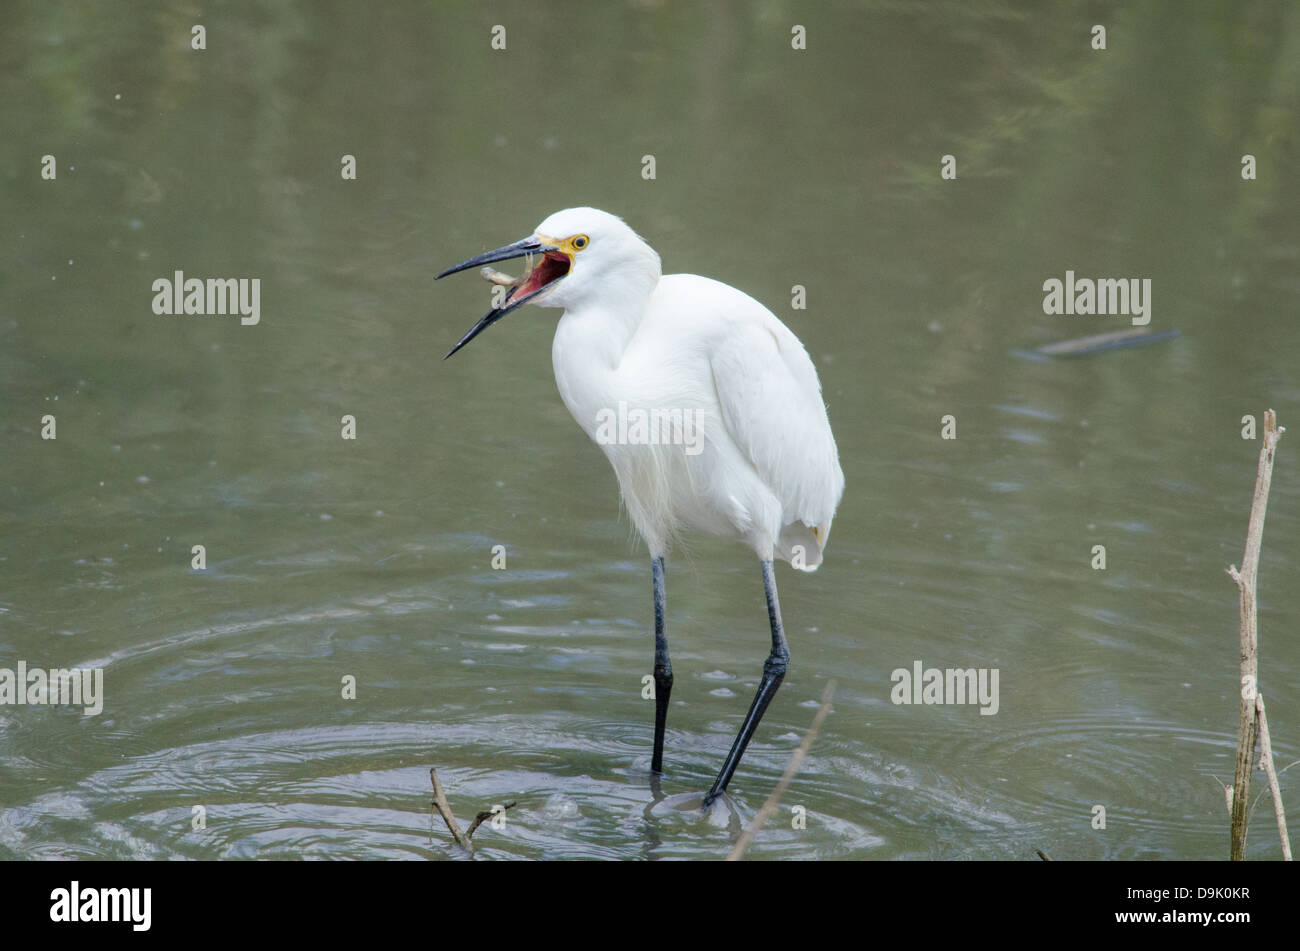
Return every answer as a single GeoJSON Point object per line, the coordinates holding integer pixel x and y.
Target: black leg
{"type": "Point", "coordinates": [663, 666]}
{"type": "Point", "coordinates": [773, 673]}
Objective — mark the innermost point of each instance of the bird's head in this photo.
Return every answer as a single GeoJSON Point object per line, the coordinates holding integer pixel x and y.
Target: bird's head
{"type": "Point", "coordinates": [582, 254]}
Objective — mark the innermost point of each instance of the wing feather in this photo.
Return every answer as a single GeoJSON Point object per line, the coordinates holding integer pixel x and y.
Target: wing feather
{"type": "Point", "coordinates": [772, 407]}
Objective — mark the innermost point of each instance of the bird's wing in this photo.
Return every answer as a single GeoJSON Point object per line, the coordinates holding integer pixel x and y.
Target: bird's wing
{"type": "Point", "coordinates": [772, 407]}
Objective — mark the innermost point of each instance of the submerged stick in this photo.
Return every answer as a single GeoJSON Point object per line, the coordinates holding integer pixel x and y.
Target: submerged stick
{"type": "Point", "coordinates": [1096, 343]}
{"type": "Point", "coordinates": [1247, 724]}
{"type": "Point", "coordinates": [444, 808]}
{"type": "Point", "coordinates": [440, 803]}
{"type": "Point", "coordinates": [796, 760]}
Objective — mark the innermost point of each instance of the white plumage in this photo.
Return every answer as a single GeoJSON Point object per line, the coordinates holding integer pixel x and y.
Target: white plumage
{"type": "Point", "coordinates": [769, 472]}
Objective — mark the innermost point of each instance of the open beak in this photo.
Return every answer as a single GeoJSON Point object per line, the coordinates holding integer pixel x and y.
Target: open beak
{"type": "Point", "coordinates": [552, 266]}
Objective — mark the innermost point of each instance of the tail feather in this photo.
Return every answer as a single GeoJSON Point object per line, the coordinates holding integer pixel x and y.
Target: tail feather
{"type": "Point", "coordinates": [802, 545]}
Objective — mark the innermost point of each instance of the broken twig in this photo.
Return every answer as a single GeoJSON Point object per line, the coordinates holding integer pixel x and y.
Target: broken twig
{"type": "Point", "coordinates": [1248, 723]}
{"type": "Point", "coordinates": [1266, 764]}
{"type": "Point", "coordinates": [796, 760]}
{"type": "Point", "coordinates": [487, 815]}
{"type": "Point", "coordinates": [440, 803]}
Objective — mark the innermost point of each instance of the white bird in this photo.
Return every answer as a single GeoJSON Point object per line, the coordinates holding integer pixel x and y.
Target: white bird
{"type": "Point", "coordinates": [707, 406]}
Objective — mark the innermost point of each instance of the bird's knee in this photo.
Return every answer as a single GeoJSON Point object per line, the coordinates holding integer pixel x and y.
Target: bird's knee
{"type": "Point", "coordinates": [777, 663]}
{"type": "Point", "coordinates": [663, 676]}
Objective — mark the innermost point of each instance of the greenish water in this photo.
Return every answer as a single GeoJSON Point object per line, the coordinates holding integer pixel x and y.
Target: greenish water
{"type": "Point", "coordinates": [371, 558]}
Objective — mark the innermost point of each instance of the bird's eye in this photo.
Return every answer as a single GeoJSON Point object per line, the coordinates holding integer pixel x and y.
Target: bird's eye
{"type": "Point", "coordinates": [580, 242]}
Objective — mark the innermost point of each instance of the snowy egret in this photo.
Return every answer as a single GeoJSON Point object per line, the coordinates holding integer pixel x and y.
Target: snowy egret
{"type": "Point", "coordinates": [708, 407]}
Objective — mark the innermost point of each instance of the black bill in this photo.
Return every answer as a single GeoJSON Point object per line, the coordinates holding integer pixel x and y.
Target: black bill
{"type": "Point", "coordinates": [553, 266]}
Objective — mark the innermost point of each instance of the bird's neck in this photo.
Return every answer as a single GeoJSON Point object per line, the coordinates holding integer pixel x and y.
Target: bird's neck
{"type": "Point", "coordinates": [589, 346]}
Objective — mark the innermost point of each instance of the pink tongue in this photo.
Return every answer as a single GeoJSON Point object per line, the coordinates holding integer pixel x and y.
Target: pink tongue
{"type": "Point", "coordinates": [542, 274]}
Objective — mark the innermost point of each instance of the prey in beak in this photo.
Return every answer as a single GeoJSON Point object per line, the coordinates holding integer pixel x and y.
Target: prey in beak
{"type": "Point", "coordinates": [551, 267]}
